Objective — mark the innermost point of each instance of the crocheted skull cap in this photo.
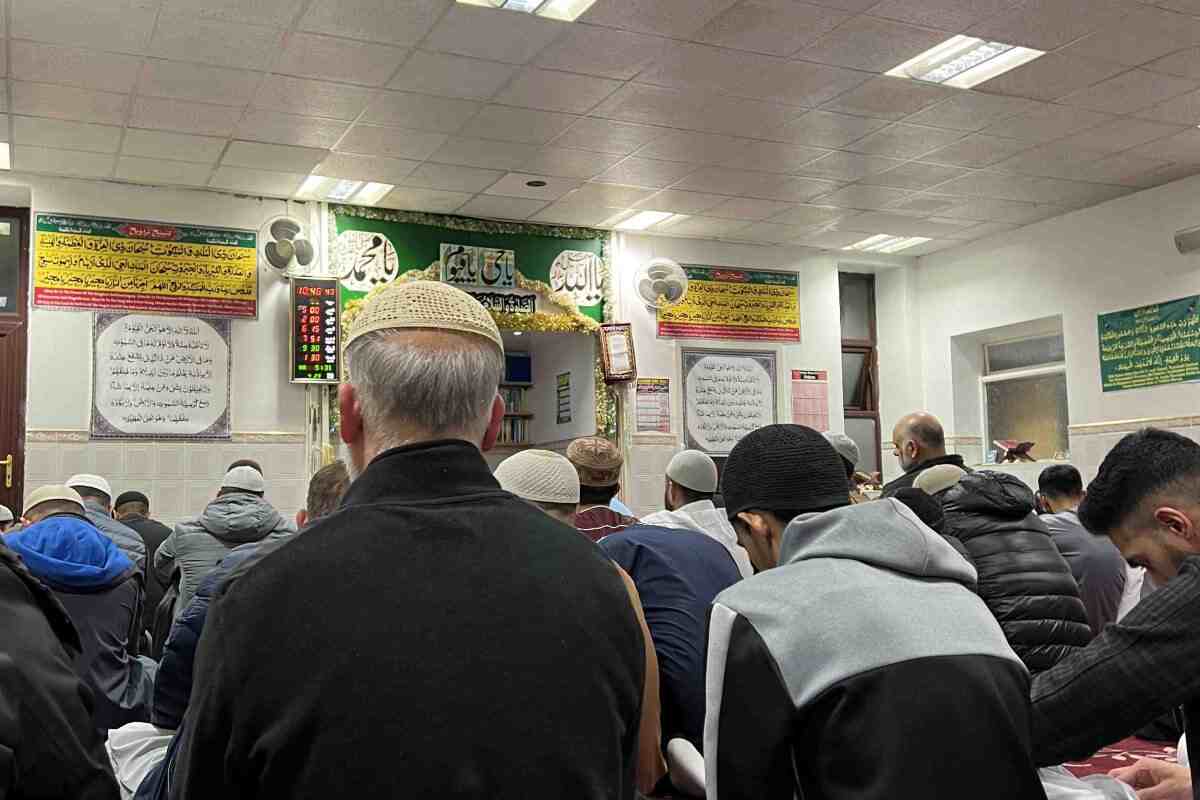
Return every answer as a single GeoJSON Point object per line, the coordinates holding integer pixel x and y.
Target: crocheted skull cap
{"type": "Point", "coordinates": [425, 304]}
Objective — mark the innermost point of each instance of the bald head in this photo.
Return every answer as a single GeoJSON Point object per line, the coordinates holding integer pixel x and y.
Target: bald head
{"type": "Point", "coordinates": [917, 438]}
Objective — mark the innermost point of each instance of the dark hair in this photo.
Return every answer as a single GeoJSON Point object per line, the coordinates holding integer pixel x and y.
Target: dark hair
{"type": "Point", "coordinates": [133, 507]}
{"type": "Point", "coordinates": [88, 493]}
{"type": "Point", "coordinates": [224, 490]}
{"type": "Point", "coordinates": [598, 495]}
{"type": "Point", "coordinates": [928, 432]}
{"type": "Point", "coordinates": [247, 462]}
{"type": "Point", "coordinates": [325, 490]}
{"type": "Point", "coordinates": [850, 469]}
{"type": "Point", "coordinates": [1140, 465]}
{"type": "Point", "coordinates": [1061, 480]}
{"type": "Point", "coordinates": [927, 507]}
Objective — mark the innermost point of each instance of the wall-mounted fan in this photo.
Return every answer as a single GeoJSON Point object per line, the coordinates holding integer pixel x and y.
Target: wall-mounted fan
{"type": "Point", "coordinates": [661, 283]}
{"type": "Point", "coordinates": [284, 244]}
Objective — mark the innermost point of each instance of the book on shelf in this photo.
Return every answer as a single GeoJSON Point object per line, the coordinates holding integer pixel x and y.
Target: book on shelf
{"type": "Point", "coordinates": [514, 431]}
{"type": "Point", "coordinates": [514, 397]}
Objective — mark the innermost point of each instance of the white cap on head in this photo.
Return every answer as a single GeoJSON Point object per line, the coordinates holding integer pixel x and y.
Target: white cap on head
{"type": "Point", "coordinates": [86, 481]}
{"type": "Point", "coordinates": [539, 476]}
{"type": "Point", "coordinates": [694, 470]}
{"type": "Point", "coordinates": [6, 514]}
{"type": "Point", "coordinates": [248, 479]}
{"type": "Point", "coordinates": [938, 479]}
{"type": "Point", "coordinates": [44, 494]}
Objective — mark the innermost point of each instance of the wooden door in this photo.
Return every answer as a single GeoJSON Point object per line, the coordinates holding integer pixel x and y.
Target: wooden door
{"type": "Point", "coordinates": [14, 329]}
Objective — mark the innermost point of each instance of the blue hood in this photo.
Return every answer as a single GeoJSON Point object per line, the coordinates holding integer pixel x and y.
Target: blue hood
{"type": "Point", "coordinates": [69, 553]}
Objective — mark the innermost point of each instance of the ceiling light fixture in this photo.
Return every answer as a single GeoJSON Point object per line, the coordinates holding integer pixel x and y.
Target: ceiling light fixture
{"type": "Point", "coordinates": [964, 61]}
{"type": "Point", "coordinates": [565, 10]}
{"type": "Point", "coordinates": [342, 190]}
{"type": "Point", "coordinates": [372, 193]}
{"type": "Point", "coordinates": [642, 220]}
{"type": "Point", "coordinates": [887, 243]}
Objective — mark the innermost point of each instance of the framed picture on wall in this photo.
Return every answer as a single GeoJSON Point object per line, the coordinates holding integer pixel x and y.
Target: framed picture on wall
{"type": "Point", "coordinates": [726, 394]}
{"type": "Point", "coordinates": [616, 352]}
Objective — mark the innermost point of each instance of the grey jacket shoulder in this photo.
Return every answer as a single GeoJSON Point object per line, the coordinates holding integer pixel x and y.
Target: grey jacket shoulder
{"type": "Point", "coordinates": [123, 536]}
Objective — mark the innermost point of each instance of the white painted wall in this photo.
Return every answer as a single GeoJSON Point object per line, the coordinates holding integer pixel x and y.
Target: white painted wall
{"type": "Point", "coordinates": [1113, 256]}
{"type": "Point", "coordinates": [819, 347]}
{"type": "Point", "coordinates": [183, 476]}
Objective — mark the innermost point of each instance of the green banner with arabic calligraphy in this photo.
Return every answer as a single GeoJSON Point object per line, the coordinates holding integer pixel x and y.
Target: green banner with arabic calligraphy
{"type": "Point", "coordinates": [1150, 346]}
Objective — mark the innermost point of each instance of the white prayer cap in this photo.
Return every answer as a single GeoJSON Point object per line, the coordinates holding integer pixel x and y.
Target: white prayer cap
{"type": "Point", "coordinates": [45, 494]}
{"type": "Point", "coordinates": [86, 481]}
{"type": "Point", "coordinates": [6, 514]}
{"type": "Point", "coordinates": [425, 304]}
{"type": "Point", "coordinates": [248, 479]}
{"type": "Point", "coordinates": [693, 470]}
{"type": "Point", "coordinates": [539, 476]}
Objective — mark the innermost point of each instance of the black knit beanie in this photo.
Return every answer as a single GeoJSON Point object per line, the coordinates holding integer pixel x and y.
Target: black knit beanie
{"type": "Point", "coordinates": [783, 468]}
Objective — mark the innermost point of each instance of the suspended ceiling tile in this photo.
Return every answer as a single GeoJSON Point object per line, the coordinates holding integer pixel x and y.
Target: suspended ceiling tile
{"type": "Point", "coordinates": [55, 133]}
{"type": "Point", "coordinates": [253, 12]}
{"type": "Point", "coordinates": [184, 37]}
{"type": "Point", "coordinates": [748, 209]}
{"type": "Point", "coordinates": [372, 140]}
{"type": "Point", "coordinates": [566, 162]}
{"type": "Point", "coordinates": [1181, 110]}
{"type": "Point", "coordinates": [493, 207]}
{"type": "Point", "coordinates": [1121, 134]}
{"type": "Point", "coordinates": [915, 175]}
{"type": "Point", "coordinates": [452, 178]}
{"type": "Point", "coordinates": [202, 84]}
{"type": "Point", "coordinates": [62, 162]}
{"type": "Point", "coordinates": [68, 102]}
{"type": "Point", "coordinates": [696, 148]}
{"type": "Point", "coordinates": [87, 69]}
{"type": "Point", "coordinates": [556, 91]}
{"type": "Point", "coordinates": [904, 141]}
{"type": "Point", "coordinates": [1131, 91]}
{"type": "Point", "coordinates": [380, 169]}
{"type": "Point", "coordinates": [257, 181]}
{"type": "Point", "coordinates": [311, 98]}
{"type": "Point", "coordinates": [273, 126]}
{"type": "Point", "coordinates": [159, 171]}
{"type": "Point", "coordinates": [678, 201]}
{"type": "Point", "coordinates": [826, 129]}
{"type": "Point", "coordinates": [183, 116]}
{"type": "Point", "coordinates": [707, 227]}
{"type": "Point", "coordinates": [1046, 122]}
{"type": "Point", "coordinates": [977, 150]}
{"type": "Point", "coordinates": [603, 52]}
{"type": "Point", "coordinates": [1050, 77]}
{"type": "Point", "coordinates": [518, 124]}
{"type": "Point", "coordinates": [121, 26]}
{"type": "Point", "coordinates": [1180, 147]}
{"type": "Point", "coordinates": [493, 34]}
{"type": "Point", "coordinates": [276, 157]}
{"type": "Point", "coordinates": [607, 136]}
{"type": "Point", "coordinates": [430, 200]}
{"type": "Point", "coordinates": [166, 146]}
{"type": "Point", "coordinates": [947, 15]}
{"type": "Point", "coordinates": [310, 55]}
{"type": "Point", "coordinates": [775, 157]}
{"type": "Point", "coordinates": [848, 166]}
{"type": "Point", "coordinates": [872, 44]}
{"type": "Point", "coordinates": [374, 20]}
{"type": "Point", "coordinates": [420, 112]}
{"type": "Point", "coordinates": [679, 19]}
{"type": "Point", "coordinates": [516, 184]}
{"type": "Point", "coordinates": [807, 215]}
{"type": "Point", "coordinates": [864, 197]}
{"type": "Point", "coordinates": [574, 213]}
{"type": "Point", "coordinates": [1049, 24]}
{"type": "Point", "coordinates": [1184, 62]}
{"type": "Point", "coordinates": [970, 111]}
{"type": "Point", "coordinates": [609, 194]}
{"type": "Point", "coordinates": [775, 27]}
{"type": "Point", "coordinates": [485, 153]}
{"type": "Point", "coordinates": [794, 190]}
{"type": "Point", "coordinates": [888, 98]}
{"type": "Point", "coordinates": [649, 172]}
{"type": "Point", "coordinates": [452, 76]}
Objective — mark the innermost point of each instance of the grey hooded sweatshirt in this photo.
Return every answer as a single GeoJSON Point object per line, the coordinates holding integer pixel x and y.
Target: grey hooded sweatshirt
{"type": "Point", "coordinates": [198, 545]}
{"type": "Point", "coordinates": [865, 667]}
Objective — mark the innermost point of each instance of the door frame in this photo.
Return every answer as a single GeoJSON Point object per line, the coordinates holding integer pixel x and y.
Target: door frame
{"type": "Point", "coordinates": [16, 325]}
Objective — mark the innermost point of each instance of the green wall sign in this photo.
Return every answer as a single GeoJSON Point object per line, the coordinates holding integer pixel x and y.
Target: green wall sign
{"type": "Point", "coordinates": [373, 247]}
{"type": "Point", "coordinates": [1150, 346]}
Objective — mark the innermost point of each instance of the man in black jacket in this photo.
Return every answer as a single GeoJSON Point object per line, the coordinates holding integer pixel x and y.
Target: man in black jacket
{"type": "Point", "coordinates": [1022, 577]}
{"type": "Point", "coordinates": [434, 637]}
{"type": "Point", "coordinates": [133, 509]}
{"type": "Point", "coordinates": [48, 747]}
{"type": "Point", "coordinates": [1146, 498]}
{"type": "Point", "coordinates": [918, 443]}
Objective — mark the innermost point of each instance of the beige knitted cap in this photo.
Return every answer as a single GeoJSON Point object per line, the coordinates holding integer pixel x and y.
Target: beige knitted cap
{"type": "Point", "coordinates": [425, 304]}
{"type": "Point", "coordinates": [45, 494]}
{"type": "Point", "coordinates": [938, 479]}
{"type": "Point", "coordinates": [540, 476]}
{"type": "Point", "coordinates": [596, 459]}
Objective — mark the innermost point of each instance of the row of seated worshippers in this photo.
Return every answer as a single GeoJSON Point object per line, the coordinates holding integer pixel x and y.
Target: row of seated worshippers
{"type": "Point", "coordinates": [444, 632]}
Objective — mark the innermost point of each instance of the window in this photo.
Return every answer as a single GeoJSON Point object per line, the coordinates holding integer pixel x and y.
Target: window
{"type": "Point", "coordinates": [1024, 392]}
{"type": "Point", "coordinates": [860, 371]}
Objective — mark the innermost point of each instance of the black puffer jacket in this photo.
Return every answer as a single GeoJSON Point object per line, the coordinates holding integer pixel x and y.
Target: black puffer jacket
{"type": "Point", "coordinates": [1022, 578]}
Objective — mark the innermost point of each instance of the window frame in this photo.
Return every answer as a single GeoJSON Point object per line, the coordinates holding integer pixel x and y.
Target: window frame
{"type": "Point", "coordinates": [870, 370]}
{"type": "Point", "coordinates": [1002, 376]}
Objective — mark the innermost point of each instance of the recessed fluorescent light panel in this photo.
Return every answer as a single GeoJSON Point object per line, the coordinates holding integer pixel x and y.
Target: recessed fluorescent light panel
{"type": "Point", "coordinates": [964, 61]}
{"type": "Point", "coordinates": [631, 220]}
{"type": "Point", "coordinates": [886, 243]}
{"type": "Point", "coordinates": [341, 190]}
{"type": "Point", "coordinates": [565, 10]}
{"type": "Point", "coordinates": [5, 156]}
